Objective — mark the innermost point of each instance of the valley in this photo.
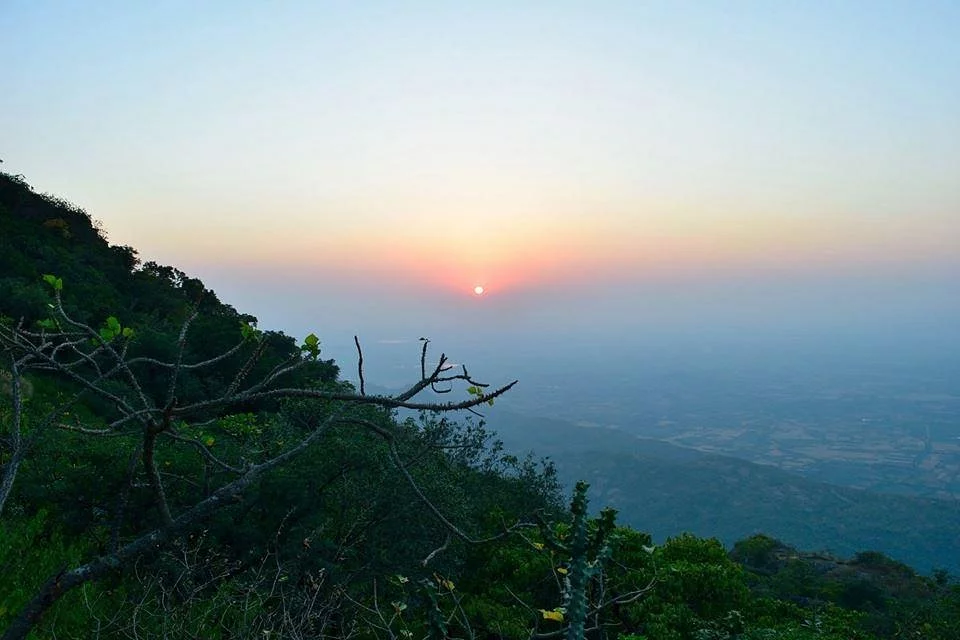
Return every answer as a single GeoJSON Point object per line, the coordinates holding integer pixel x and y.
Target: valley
{"type": "Point", "coordinates": [666, 489]}
{"type": "Point", "coordinates": [876, 430]}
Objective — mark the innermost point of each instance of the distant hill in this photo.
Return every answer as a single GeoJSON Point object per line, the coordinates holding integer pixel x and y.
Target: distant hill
{"type": "Point", "coordinates": [665, 489]}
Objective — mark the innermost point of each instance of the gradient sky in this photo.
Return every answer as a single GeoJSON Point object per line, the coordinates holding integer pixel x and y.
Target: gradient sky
{"type": "Point", "coordinates": [286, 151]}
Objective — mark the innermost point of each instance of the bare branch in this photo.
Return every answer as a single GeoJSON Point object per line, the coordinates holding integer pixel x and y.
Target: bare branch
{"type": "Point", "coordinates": [356, 341]}
{"type": "Point", "coordinates": [390, 439]}
{"type": "Point", "coordinates": [423, 357]}
{"type": "Point", "coordinates": [90, 432]}
{"type": "Point", "coordinates": [247, 366]}
{"type": "Point", "coordinates": [190, 367]}
{"type": "Point", "coordinates": [150, 434]}
{"type": "Point", "coordinates": [433, 554]}
{"type": "Point", "coordinates": [17, 446]}
{"type": "Point", "coordinates": [118, 358]}
{"type": "Point", "coordinates": [203, 449]}
{"type": "Point", "coordinates": [395, 402]}
{"type": "Point", "coordinates": [181, 346]}
{"type": "Point", "coordinates": [91, 385]}
{"type": "Point", "coordinates": [287, 366]}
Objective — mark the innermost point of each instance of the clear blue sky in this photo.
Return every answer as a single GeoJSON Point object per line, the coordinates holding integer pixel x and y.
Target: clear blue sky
{"type": "Point", "coordinates": [412, 150]}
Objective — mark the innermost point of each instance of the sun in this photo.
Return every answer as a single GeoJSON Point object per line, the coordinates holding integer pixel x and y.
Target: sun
{"type": "Point", "coordinates": [478, 290]}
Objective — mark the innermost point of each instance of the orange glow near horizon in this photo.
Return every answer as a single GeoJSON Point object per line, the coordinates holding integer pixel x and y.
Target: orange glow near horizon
{"type": "Point", "coordinates": [536, 149]}
{"type": "Point", "coordinates": [508, 254]}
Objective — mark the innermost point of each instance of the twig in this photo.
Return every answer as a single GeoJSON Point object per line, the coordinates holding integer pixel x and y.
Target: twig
{"type": "Point", "coordinates": [356, 341]}
{"type": "Point", "coordinates": [437, 551]}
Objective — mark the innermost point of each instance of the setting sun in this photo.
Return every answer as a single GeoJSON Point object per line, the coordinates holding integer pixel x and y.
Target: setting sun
{"type": "Point", "coordinates": [478, 290]}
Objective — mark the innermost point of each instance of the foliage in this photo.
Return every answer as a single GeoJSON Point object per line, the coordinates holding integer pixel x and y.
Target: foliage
{"type": "Point", "coordinates": [23, 573]}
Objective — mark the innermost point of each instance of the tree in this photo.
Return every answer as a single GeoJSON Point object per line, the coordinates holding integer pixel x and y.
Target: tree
{"type": "Point", "coordinates": [154, 404]}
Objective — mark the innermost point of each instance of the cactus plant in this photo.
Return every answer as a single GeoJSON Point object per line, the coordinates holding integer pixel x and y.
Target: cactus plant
{"type": "Point", "coordinates": [588, 549]}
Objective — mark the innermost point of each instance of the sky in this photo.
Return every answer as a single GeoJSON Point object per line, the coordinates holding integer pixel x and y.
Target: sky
{"type": "Point", "coordinates": [602, 167]}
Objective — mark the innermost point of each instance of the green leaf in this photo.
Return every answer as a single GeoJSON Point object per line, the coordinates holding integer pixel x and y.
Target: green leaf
{"type": "Point", "coordinates": [311, 345]}
{"type": "Point", "coordinates": [248, 331]}
{"type": "Point", "coordinates": [113, 324]}
{"type": "Point", "coordinates": [55, 282]}
{"type": "Point", "coordinates": [127, 332]}
{"type": "Point", "coordinates": [47, 324]}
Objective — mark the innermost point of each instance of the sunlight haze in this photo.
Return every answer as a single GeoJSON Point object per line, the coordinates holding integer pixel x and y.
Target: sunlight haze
{"type": "Point", "coordinates": [299, 156]}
